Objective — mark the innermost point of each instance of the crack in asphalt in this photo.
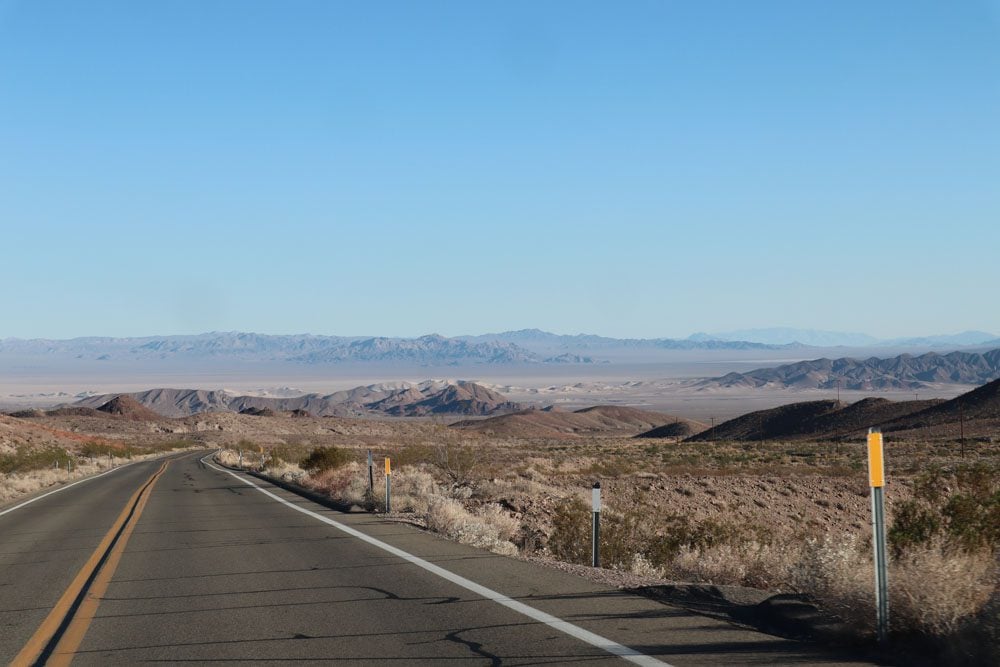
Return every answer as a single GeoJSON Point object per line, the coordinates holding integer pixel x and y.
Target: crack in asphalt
{"type": "Point", "coordinates": [475, 647]}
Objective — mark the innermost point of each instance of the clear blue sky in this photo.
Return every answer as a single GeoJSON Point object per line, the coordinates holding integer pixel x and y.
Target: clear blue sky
{"type": "Point", "coordinates": [397, 168]}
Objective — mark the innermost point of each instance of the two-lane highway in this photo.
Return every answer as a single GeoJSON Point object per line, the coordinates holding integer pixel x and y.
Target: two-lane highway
{"type": "Point", "coordinates": [215, 570]}
{"type": "Point", "coordinates": [51, 546]}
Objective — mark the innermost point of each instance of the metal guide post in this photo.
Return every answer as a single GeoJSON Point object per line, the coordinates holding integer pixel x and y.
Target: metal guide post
{"type": "Point", "coordinates": [876, 478]}
{"type": "Point", "coordinates": [371, 477]}
{"type": "Point", "coordinates": [596, 532]}
{"type": "Point", "coordinates": [388, 486]}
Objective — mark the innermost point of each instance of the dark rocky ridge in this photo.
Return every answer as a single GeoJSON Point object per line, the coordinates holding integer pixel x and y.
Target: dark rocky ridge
{"type": "Point", "coordinates": [976, 414]}
{"type": "Point", "coordinates": [902, 372]}
{"type": "Point", "coordinates": [601, 420]}
{"type": "Point", "coordinates": [427, 398]}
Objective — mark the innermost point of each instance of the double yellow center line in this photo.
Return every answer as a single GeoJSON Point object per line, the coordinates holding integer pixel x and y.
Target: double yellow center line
{"type": "Point", "coordinates": [57, 639]}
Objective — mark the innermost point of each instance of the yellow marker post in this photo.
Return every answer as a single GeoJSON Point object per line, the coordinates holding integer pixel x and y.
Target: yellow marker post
{"type": "Point", "coordinates": [388, 486]}
{"type": "Point", "coordinates": [876, 464]}
{"type": "Point", "coordinates": [876, 478]}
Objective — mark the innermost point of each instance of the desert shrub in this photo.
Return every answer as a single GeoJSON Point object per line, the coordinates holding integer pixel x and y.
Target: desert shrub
{"type": "Point", "coordinates": [642, 567]}
{"type": "Point", "coordinates": [25, 459]}
{"type": "Point", "coordinates": [623, 535]}
{"type": "Point", "coordinates": [97, 450]}
{"type": "Point", "coordinates": [285, 454]}
{"type": "Point", "coordinates": [288, 472]}
{"type": "Point", "coordinates": [490, 530]}
{"type": "Point", "coordinates": [914, 523]}
{"type": "Point", "coordinates": [658, 538]}
{"type": "Point", "coordinates": [459, 464]}
{"type": "Point", "coordinates": [745, 563]}
{"type": "Point", "coordinates": [973, 519]}
{"type": "Point", "coordinates": [838, 573]}
{"type": "Point", "coordinates": [415, 454]}
{"type": "Point", "coordinates": [507, 526]}
{"type": "Point", "coordinates": [228, 457]}
{"type": "Point", "coordinates": [347, 483]}
{"type": "Point", "coordinates": [325, 458]}
{"type": "Point", "coordinates": [412, 489]}
{"type": "Point", "coordinates": [570, 537]}
{"type": "Point", "coordinates": [933, 590]}
{"type": "Point", "coordinates": [962, 509]}
{"type": "Point", "coordinates": [445, 515]}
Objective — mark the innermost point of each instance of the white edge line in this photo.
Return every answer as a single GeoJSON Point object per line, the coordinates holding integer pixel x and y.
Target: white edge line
{"type": "Point", "coordinates": [575, 631]}
{"type": "Point", "coordinates": [63, 488]}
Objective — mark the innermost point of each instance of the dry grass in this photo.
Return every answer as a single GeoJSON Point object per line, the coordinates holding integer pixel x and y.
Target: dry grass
{"type": "Point", "coordinates": [490, 529]}
{"type": "Point", "coordinates": [931, 591]}
{"type": "Point", "coordinates": [16, 485]}
{"type": "Point", "coordinates": [25, 482]}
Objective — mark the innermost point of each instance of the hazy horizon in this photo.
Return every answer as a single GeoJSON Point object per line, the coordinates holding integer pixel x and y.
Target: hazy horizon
{"type": "Point", "coordinates": [722, 336]}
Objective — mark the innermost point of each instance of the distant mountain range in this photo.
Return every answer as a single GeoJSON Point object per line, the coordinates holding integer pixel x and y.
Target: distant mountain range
{"type": "Point", "coordinates": [433, 397]}
{"type": "Point", "coordinates": [902, 372]}
{"type": "Point", "coordinates": [816, 338]}
{"type": "Point", "coordinates": [519, 347]}
{"type": "Point", "coordinates": [304, 348]}
{"type": "Point", "coordinates": [527, 347]}
{"type": "Point", "coordinates": [540, 341]}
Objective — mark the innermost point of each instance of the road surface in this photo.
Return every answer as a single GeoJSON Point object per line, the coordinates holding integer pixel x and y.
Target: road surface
{"type": "Point", "coordinates": [180, 561]}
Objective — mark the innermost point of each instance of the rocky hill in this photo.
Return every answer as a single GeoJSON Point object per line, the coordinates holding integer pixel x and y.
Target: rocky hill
{"type": "Point", "coordinates": [973, 414]}
{"type": "Point", "coordinates": [902, 372]}
{"type": "Point", "coordinates": [23, 434]}
{"type": "Point", "coordinates": [128, 407]}
{"type": "Point", "coordinates": [979, 405]}
{"type": "Point", "coordinates": [403, 399]}
{"type": "Point", "coordinates": [679, 428]}
{"type": "Point", "coordinates": [601, 420]}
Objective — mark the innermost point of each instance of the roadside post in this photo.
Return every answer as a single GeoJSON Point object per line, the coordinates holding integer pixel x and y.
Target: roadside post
{"type": "Point", "coordinates": [371, 477]}
{"type": "Point", "coordinates": [111, 461]}
{"type": "Point", "coordinates": [241, 459]}
{"type": "Point", "coordinates": [876, 479]}
{"type": "Point", "coordinates": [388, 486]}
{"type": "Point", "coordinates": [596, 532]}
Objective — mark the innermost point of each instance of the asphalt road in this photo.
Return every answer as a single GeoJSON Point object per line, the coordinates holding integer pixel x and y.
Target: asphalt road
{"type": "Point", "coordinates": [207, 568]}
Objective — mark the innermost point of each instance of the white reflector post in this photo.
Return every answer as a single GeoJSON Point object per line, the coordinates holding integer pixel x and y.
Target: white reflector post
{"type": "Point", "coordinates": [596, 525]}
